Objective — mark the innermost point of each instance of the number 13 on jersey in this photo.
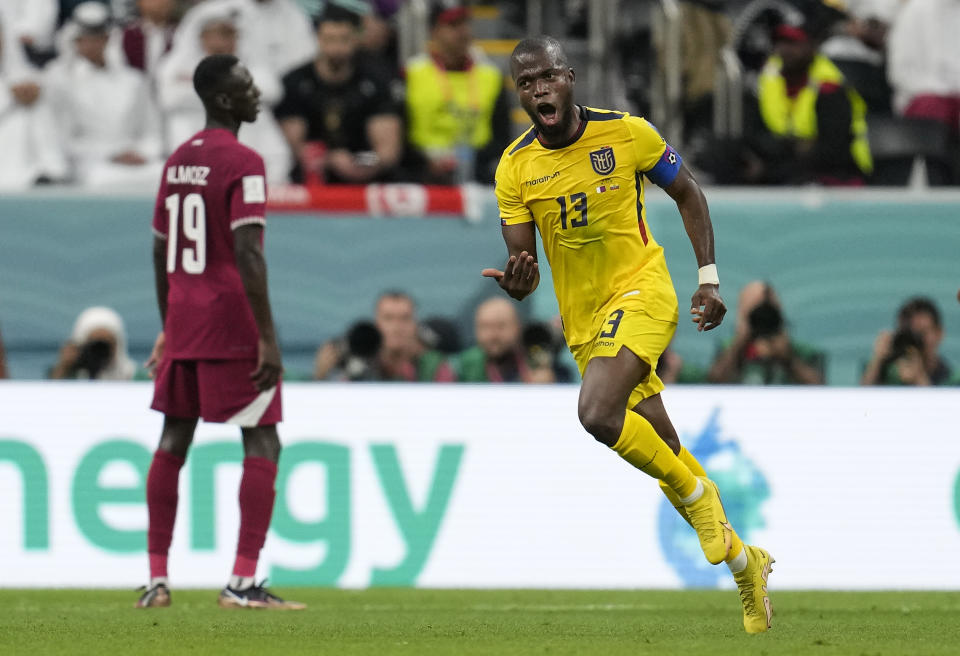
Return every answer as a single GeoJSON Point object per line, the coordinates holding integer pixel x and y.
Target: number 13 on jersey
{"type": "Point", "coordinates": [578, 203]}
{"type": "Point", "coordinates": [194, 259]}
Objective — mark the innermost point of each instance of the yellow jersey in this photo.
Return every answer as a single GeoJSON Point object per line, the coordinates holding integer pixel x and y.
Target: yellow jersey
{"type": "Point", "coordinates": [586, 197]}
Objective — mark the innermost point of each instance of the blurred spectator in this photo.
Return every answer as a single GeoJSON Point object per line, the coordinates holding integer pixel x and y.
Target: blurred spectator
{"type": "Point", "coordinates": [29, 138]}
{"type": "Point", "coordinates": [32, 24]}
{"type": "Point", "coordinates": [183, 113]}
{"type": "Point", "coordinates": [500, 356]}
{"type": "Point", "coordinates": [808, 125]}
{"type": "Point", "coordinates": [403, 356]}
{"type": "Point", "coordinates": [339, 115]}
{"type": "Point", "coordinates": [65, 38]}
{"type": "Point", "coordinates": [147, 38]}
{"type": "Point", "coordinates": [379, 38]}
{"type": "Point", "coordinates": [3, 360]}
{"type": "Point", "coordinates": [389, 349]}
{"type": "Point", "coordinates": [273, 34]}
{"type": "Point", "coordinates": [923, 51]}
{"type": "Point", "coordinates": [859, 51]}
{"type": "Point", "coordinates": [457, 106]}
{"type": "Point", "coordinates": [110, 125]}
{"type": "Point", "coordinates": [97, 348]}
{"type": "Point", "coordinates": [911, 355]}
{"type": "Point", "coordinates": [761, 352]}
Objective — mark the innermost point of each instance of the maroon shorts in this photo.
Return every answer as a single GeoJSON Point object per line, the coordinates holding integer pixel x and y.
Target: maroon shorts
{"type": "Point", "coordinates": [219, 391]}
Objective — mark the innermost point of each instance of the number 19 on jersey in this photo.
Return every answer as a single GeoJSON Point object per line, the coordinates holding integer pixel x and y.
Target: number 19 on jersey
{"type": "Point", "coordinates": [194, 258]}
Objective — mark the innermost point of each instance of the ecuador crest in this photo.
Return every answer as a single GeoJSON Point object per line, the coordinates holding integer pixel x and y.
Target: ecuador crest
{"type": "Point", "coordinates": [602, 160]}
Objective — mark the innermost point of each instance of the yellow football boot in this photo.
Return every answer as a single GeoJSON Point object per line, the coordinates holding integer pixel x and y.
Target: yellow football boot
{"type": "Point", "coordinates": [752, 584]}
{"type": "Point", "coordinates": [709, 520]}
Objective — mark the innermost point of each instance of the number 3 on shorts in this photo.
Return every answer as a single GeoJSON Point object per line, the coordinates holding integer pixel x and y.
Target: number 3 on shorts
{"type": "Point", "coordinates": [614, 323]}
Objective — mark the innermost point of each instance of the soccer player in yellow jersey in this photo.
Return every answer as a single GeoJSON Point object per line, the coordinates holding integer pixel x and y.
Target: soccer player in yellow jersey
{"type": "Point", "coordinates": [577, 177]}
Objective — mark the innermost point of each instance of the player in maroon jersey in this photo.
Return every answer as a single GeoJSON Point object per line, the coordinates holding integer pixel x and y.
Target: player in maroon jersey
{"type": "Point", "coordinates": [217, 356]}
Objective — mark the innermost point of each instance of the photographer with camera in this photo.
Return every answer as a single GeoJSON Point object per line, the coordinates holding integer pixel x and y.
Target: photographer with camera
{"type": "Point", "coordinates": [388, 349]}
{"type": "Point", "coordinates": [505, 353]}
{"type": "Point", "coordinates": [96, 350]}
{"type": "Point", "coordinates": [352, 357]}
{"type": "Point", "coordinates": [761, 352]}
{"type": "Point", "coordinates": [910, 356]}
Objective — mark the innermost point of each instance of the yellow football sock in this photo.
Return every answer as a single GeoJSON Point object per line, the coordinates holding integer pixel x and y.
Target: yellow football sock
{"type": "Point", "coordinates": [641, 446]}
{"type": "Point", "coordinates": [694, 466]}
{"type": "Point", "coordinates": [692, 463]}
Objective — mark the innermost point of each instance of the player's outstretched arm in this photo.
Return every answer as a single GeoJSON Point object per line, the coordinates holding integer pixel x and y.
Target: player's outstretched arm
{"type": "Point", "coordinates": [253, 271]}
{"type": "Point", "coordinates": [521, 275]}
{"type": "Point", "coordinates": [706, 306]}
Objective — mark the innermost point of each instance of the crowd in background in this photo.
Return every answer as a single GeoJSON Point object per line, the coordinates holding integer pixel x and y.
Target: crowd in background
{"type": "Point", "coordinates": [99, 92]}
{"type": "Point", "coordinates": [395, 344]}
{"type": "Point", "coordinates": [843, 93]}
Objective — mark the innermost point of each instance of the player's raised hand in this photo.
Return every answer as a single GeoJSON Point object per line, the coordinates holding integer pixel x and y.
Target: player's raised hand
{"type": "Point", "coordinates": [269, 366]}
{"type": "Point", "coordinates": [519, 277]}
{"type": "Point", "coordinates": [707, 307]}
{"type": "Point", "coordinates": [156, 354]}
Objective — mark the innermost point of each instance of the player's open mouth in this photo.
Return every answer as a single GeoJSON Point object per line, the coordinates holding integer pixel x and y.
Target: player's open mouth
{"type": "Point", "coordinates": [548, 114]}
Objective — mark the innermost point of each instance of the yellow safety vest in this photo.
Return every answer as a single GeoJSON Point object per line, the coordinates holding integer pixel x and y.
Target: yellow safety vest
{"type": "Point", "coordinates": [447, 108]}
{"type": "Point", "coordinates": [797, 117]}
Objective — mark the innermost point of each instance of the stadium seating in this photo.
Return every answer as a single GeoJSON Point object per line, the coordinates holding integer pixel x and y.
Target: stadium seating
{"type": "Point", "coordinates": [900, 144]}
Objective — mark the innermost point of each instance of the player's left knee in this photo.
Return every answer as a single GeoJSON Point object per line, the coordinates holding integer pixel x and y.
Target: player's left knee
{"type": "Point", "coordinates": [604, 426]}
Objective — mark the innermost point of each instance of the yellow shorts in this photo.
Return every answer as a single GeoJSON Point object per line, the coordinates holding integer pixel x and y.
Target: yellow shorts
{"type": "Point", "coordinates": [644, 335]}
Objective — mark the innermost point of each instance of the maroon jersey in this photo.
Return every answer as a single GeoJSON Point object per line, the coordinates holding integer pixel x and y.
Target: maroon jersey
{"type": "Point", "coordinates": [211, 185]}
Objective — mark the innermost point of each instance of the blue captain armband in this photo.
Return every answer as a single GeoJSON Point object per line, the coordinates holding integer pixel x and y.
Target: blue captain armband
{"type": "Point", "coordinates": [666, 169]}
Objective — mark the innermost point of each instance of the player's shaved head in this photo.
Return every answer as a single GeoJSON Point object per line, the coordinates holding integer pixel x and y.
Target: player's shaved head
{"type": "Point", "coordinates": [537, 45]}
{"type": "Point", "coordinates": [544, 83]}
{"type": "Point", "coordinates": [212, 74]}
{"type": "Point", "coordinates": [227, 90]}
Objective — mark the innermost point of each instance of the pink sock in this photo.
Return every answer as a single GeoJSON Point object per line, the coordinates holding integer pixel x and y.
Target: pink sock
{"type": "Point", "coordinates": [256, 509]}
{"type": "Point", "coordinates": [162, 481]}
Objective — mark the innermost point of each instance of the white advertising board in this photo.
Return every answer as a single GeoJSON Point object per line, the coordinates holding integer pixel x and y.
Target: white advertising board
{"type": "Point", "coordinates": [487, 486]}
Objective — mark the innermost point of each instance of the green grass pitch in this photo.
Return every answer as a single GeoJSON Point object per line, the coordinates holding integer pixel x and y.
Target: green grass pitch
{"type": "Point", "coordinates": [382, 622]}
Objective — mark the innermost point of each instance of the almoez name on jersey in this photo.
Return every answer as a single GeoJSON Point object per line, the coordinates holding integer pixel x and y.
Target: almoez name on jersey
{"type": "Point", "coordinates": [541, 180]}
{"type": "Point", "coordinates": [190, 175]}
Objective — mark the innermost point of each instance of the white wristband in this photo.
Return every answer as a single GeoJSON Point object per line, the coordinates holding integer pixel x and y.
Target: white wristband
{"type": "Point", "coordinates": [708, 275]}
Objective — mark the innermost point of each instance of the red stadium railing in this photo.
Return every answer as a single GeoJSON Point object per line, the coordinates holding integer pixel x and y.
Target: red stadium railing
{"type": "Point", "coordinates": [379, 200]}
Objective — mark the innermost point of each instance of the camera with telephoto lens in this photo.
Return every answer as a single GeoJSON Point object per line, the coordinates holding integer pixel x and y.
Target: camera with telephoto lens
{"type": "Point", "coordinates": [94, 356]}
{"type": "Point", "coordinates": [540, 343]}
{"type": "Point", "coordinates": [363, 341]}
{"type": "Point", "coordinates": [904, 340]}
{"type": "Point", "coordinates": [765, 320]}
